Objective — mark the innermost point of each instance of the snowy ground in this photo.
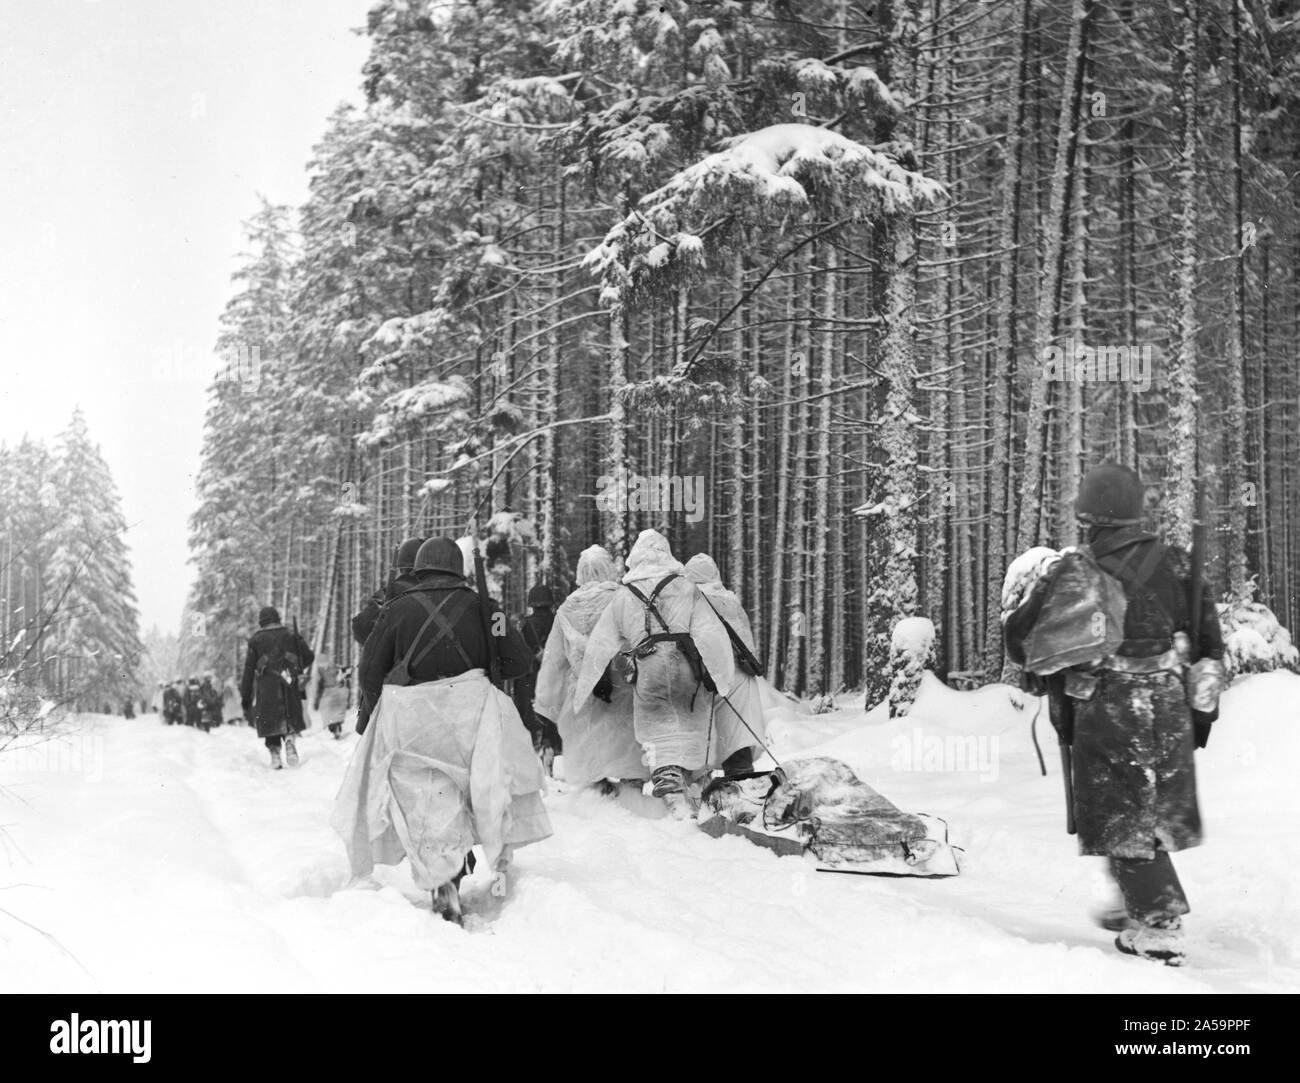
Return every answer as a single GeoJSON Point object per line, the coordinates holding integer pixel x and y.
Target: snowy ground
{"type": "Point", "coordinates": [138, 857]}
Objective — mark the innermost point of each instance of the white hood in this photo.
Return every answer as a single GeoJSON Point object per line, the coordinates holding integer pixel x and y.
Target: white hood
{"type": "Point", "coordinates": [651, 558]}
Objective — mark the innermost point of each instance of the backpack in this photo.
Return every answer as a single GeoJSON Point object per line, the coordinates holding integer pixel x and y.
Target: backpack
{"type": "Point", "coordinates": [1081, 620]}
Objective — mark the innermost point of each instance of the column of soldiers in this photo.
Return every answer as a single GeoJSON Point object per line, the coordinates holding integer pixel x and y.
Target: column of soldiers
{"type": "Point", "coordinates": [190, 701]}
{"type": "Point", "coordinates": [647, 674]}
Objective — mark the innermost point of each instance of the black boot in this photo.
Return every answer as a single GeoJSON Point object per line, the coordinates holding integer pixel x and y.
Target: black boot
{"type": "Point", "coordinates": [446, 901]}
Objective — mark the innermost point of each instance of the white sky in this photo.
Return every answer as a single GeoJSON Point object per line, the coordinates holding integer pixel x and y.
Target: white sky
{"type": "Point", "coordinates": [135, 136]}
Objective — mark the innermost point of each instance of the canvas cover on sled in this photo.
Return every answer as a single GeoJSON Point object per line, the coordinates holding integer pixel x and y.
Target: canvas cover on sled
{"type": "Point", "coordinates": [441, 767]}
{"type": "Point", "coordinates": [823, 811]}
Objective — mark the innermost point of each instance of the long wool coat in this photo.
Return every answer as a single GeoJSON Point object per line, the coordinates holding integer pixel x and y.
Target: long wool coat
{"type": "Point", "coordinates": [277, 702]}
{"type": "Point", "coordinates": [1133, 740]}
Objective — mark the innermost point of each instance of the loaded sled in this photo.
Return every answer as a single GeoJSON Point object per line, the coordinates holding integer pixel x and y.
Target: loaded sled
{"type": "Point", "coordinates": [818, 809]}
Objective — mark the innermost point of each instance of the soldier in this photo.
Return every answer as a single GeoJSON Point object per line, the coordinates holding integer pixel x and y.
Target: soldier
{"type": "Point", "coordinates": [678, 653]}
{"type": "Point", "coordinates": [599, 744]}
{"type": "Point", "coordinates": [230, 709]}
{"type": "Point", "coordinates": [402, 579]}
{"type": "Point", "coordinates": [270, 690]}
{"type": "Point", "coordinates": [1129, 719]}
{"type": "Point", "coordinates": [739, 722]}
{"type": "Point", "coordinates": [173, 705]}
{"type": "Point", "coordinates": [332, 693]}
{"type": "Point", "coordinates": [193, 700]}
{"type": "Point", "coordinates": [210, 702]}
{"type": "Point", "coordinates": [426, 636]}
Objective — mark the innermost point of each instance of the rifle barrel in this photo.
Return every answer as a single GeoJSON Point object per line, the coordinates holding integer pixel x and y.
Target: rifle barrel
{"type": "Point", "coordinates": [1067, 773]}
{"type": "Point", "coordinates": [480, 583]}
{"type": "Point", "coordinates": [1198, 569]}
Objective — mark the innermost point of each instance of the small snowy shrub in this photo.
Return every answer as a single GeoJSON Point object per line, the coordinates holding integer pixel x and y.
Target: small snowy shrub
{"type": "Point", "coordinates": [824, 704]}
{"type": "Point", "coordinates": [1254, 641]}
{"type": "Point", "coordinates": [911, 652]}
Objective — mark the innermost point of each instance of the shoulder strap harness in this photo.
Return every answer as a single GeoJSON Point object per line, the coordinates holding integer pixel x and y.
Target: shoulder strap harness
{"type": "Point", "coordinates": [445, 631]}
{"type": "Point", "coordinates": [682, 640]}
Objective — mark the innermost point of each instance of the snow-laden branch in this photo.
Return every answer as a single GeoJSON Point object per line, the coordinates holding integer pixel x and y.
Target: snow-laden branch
{"type": "Point", "coordinates": [765, 179]}
{"type": "Point", "coordinates": [524, 438]}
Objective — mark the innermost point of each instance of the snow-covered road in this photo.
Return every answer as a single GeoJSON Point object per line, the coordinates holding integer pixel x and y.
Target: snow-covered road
{"type": "Point", "coordinates": [138, 857]}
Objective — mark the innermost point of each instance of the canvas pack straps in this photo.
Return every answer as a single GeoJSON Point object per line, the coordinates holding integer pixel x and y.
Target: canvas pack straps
{"type": "Point", "coordinates": [744, 656]}
{"type": "Point", "coordinates": [649, 603]}
{"type": "Point", "coordinates": [1121, 568]}
{"type": "Point", "coordinates": [400, 674]}
{"type": "Point", "coordinates": [682, 640]}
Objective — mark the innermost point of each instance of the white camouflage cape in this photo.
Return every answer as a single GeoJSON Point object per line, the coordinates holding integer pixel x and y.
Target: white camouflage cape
{"type": "Point", "coordinates": [599, 741]}
{"type": "Point", "coordinates": [672, 714]}
{"type": "Point", "coordinates": [442, 766]}
{"type": "Point", "coordinates": [745, 695]}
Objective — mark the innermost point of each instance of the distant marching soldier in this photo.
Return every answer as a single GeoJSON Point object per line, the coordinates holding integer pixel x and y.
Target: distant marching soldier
{"type": "Point", "coordinates": [173, 704]}
{"type": "Point", "coordinates": [210, 702]}
{"type": "Point", "coordinates": [193, 699]}
{"type": "Point", "coordinates": [270, 691]}
{"type": "Point", "coordinates": [332, 693]}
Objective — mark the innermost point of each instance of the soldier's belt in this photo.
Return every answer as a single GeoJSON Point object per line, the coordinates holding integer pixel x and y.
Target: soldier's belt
{"type": "Point", "coordinates": [1153, 663]}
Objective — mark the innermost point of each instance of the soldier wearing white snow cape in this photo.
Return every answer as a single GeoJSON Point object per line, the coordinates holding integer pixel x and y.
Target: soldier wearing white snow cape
{"type": "Point", "coordinates": [739, 725]}
{"type": "Point", "coordinates": [444, 763]}
{"type": "Point", "coordinates": [332, 693]}
{"type": "Point", "coordinates": [598, 740]}
{"type": "Point", "coordinates": [678, 653]}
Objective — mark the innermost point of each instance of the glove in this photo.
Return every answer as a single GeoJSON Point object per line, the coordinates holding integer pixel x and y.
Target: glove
{"type": "Point", "coordinates": [362, 722]}
{"type": "Point", "coordinates": [604, 688]}
{"type": "Point", "coordinates": [1201, 728]}
{"type": "Point", "coordinates": [248, 712]}
{"type": "Point", "coordinates": [1206, 680]}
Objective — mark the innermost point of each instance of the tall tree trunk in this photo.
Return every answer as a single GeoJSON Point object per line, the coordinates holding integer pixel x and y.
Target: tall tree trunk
{"type": "Point", "coordinates": [1241, 487]}
{"type": "Point", "coordinates": [1000, 519]}
{"type": "Point", "coordinates": [819, 580]}
{"type": "Point", "coordinates": [895, 585]}
{"type": "Point", "coordinates": [1184, 434]}
{"type": "Point", "coordinates": [782, 557]}
{"type": "Point", "coordinates": [1034, 474]}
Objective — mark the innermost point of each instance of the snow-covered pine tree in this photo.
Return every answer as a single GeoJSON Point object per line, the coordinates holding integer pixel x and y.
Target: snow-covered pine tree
{"type": "Point", "coordinates": [911, 652]}
{"type": "Point", "coordinates": [445, 319]}
{"type": "Point", "coordinates": [249, 500]}
{"type": "Point", "coordinates": [95, 633]}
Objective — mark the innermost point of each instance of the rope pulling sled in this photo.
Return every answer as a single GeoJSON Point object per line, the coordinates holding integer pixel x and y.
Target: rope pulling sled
{"type": "Point", "coordinates": [815, 808]}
